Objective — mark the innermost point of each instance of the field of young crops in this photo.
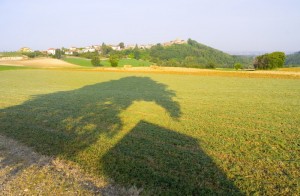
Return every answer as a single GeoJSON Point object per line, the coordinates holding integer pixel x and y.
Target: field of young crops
{"type": "Point", "coordinates": [163, 133]}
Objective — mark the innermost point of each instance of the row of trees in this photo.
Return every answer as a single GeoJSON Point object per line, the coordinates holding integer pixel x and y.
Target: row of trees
{"type": "Point", "coordinates": [33, 54]}
{"type": "Point", "coordinates": [58, 54]}
{"type": "Point", "coordinates": [113, 59]}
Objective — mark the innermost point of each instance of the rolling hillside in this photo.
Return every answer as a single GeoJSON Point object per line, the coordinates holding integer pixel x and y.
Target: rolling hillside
{"type": "Point", "coordinates": [293, 60]}
{"type": "Point", "coordinates": [194, 54]}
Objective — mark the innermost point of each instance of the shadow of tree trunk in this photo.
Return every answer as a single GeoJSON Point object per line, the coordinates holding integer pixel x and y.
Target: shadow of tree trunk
{"type": "Point", "coordinates": [165, 162]}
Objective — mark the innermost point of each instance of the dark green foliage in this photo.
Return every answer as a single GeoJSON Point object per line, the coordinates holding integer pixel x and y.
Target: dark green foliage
{"type": "Point", "coordinates": [269, 61]}
{"type": "Point", "coordinates": [38, 53]}
{"type": "Point", "coordinates": [114, 60]}
{"type": "Point", "coordinates": [245, 60]}
{"type": "Point", "coordinates": [95, 61]}
{"type": "Point", "coordinates": [136, 53]}
{"type": "Point", "coordinates": [88, 55]}
{"type": "Point", "coordinates": [211, 65]}
{"type": "Point", "coordinates": [33, 54]}
{"type": "Point", "coordinates": [75, 54]}
{"type": "Point", "coordinates": [117, 53]}
{"type": "Point", "coordinates": [57, 53]}
{"type": "Point", "coordinates": [105, 50]}
{"type": "Point", "coordinates": [293, 59]}
{"type": "Point", "coordinates": [192, 54]}
{"type": "Point", "coordinates": [238, 66]}
{"type": "Point", "coordinates": [30, 54]}
{"type": "Point", "coordinates": [63, 50]}
{"type": "Point", "coordinates": [122, 45]}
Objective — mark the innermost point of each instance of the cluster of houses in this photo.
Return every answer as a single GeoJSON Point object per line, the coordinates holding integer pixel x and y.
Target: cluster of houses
{"type": "Point", "coordinates": [72, 50]}
{"type": "Point", "coordinates": [176, 41]}
{"type": "Point", "coordinates": [25, 49]}
{"type": "Point", "coordinates": [94, 48]}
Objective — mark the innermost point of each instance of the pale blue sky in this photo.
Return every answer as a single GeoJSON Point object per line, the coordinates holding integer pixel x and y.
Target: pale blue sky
{"type": "Point", "coordinates": [228, 25]}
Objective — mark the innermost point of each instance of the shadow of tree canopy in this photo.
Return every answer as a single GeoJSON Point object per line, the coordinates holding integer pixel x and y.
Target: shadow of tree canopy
{"type": "Point", "coordinates": [68, 122]}
{"type": "Point", "coordinates": [64, 123]}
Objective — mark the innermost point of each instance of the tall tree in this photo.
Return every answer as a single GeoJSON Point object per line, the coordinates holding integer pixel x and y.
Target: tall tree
{"type": "Point", "coordinates": [122, 45]}
{"type": "Point", "coordinates": [95, 61]}
{"type": "Point", "coordinates": [57, 53]}
{"type": "Point", "coordinates": [269, 61]}
{"type": "Point", "coordinates": [114, 60]}
{"type": "Point", "coordinates": [105, 50]}
{"type": "Point", "coordinates": [136, 52]}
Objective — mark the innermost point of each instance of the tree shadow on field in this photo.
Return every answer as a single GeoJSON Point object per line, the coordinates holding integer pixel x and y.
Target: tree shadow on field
{"type": "Point", "coordinates": [166, 162]}
{"type": "Point", "coordinates": [67, 123]}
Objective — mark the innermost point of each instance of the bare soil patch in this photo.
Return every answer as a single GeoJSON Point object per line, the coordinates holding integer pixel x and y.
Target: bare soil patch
{"type": "Point", "coordinates": [39, 63]}
{"type": "Point", "coordinates": [25, 172]}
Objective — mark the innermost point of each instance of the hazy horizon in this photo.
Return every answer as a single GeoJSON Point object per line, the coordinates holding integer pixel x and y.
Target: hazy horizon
{"type": "Point", "coordinates": [231, 26]}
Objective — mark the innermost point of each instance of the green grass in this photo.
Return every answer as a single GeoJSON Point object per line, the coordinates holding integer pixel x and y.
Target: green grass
{"type": "Point", "coordinates": [132, 62]}
{"type": "Point", "coordinates": [79, 61]}
{"type": "Point", "coordinates": [169, 134]}
{"type": "Point", "coordinates": [87, 62]}
{"type": "Point", "coordinates": [6, 67]}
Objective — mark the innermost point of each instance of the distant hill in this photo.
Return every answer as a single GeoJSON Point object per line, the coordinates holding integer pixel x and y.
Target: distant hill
{"type": "Point", "coordinates": [194, 54]}
{"type": "Point", "coordinates": [293, 60]}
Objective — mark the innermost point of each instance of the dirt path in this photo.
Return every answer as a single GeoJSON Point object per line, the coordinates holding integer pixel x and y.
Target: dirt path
{"type": "Point", "coordinates": [25, 172]}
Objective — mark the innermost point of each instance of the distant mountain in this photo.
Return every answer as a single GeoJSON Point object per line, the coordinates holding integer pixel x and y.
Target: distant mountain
{"type": "Point", "coordinates": [194, 54]}
{"type": "Point", "coordinates": [293, 59]}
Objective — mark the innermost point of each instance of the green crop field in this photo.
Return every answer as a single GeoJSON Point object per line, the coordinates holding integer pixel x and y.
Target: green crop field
{"type": "Point", "coordinates": [167, 134]}
{"type": "Point", "coordinates": [79, 61]}
{"type": "Point", "coordinates": [132, 62]}
{"type": "Point", "coordinates": [87, 62]}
